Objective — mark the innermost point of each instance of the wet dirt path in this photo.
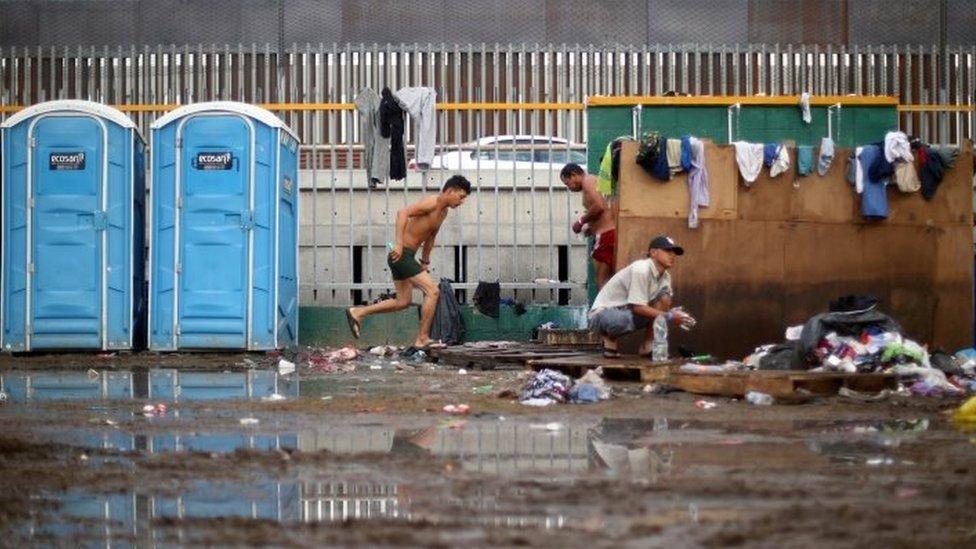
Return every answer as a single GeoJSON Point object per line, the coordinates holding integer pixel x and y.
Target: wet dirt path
{"type": "Point", "coordinates": [369, 457]}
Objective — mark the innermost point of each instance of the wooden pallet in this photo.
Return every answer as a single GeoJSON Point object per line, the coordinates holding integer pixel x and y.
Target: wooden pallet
{"type": "Point", "coordinates": [514, 355]}
{"type": "Point", "coordinates": [568, 337]}
{"type": "Point", "coordinates": [625, 368]}
{"type": "Point", "coordinates": [779, 384]}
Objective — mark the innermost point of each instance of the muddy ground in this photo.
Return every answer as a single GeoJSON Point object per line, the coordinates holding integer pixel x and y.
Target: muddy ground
{"type": "Point", "coordinates": [368, 457]}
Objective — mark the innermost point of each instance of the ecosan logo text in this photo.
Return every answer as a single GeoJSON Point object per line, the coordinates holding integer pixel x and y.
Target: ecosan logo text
{"type": "Point", "coordinates": [214, 161]}
{"type": "Point", "coordinates": [67, 161]}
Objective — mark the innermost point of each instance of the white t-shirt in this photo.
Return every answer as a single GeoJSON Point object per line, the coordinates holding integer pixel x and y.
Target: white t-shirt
{"type": "Point", "coordinates": [636, 284]}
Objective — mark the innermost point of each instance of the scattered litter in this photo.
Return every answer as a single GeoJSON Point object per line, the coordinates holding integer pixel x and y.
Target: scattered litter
{"type": "Point", "coordinates": [274, 397]}
{"type": "Point", "coordinates": [375, 367]}
{"type": "Point", "coordinates": [729, 366]}
{"type": "Point", "coordinates": [538, 402]}
{"type": "Point", "coordinates": [693, 512]}
{"type": "Point", "coordinates": [462, 372]}
{"type": "Point", "coordinates": [322, 361]}
{"type": "Point", "coordinates": [104, 356]}
{"type": "Point", "coordinates": [793, 332]}
{"type": "Point", "coordinates": [459, 409]}
{"type": "Point", "coordinates": [967, 412]}
{"type": "Point", "coordinates": [384, 350]}
{"type": "Point", "coordinates": [759, 399]}
{"type": "Point", "coordinates": [705, 404]}
{"type": "Point", "coordinates": [593, 379]}
{"type": "Point", "coordinates": [547, 385]}
{"type": "Point", "coordinates": [150, 410]}
{"type": "Point", "coordinates": [3, 398]}
{"type": "Point", "coordinates": [249, 421]}
{"type": "Point", "coordinates": [650, 387]}
{"type": "Point", "coordinates": [327, 398]}
{"type": "Point", "coordinates": [92, 373]}
{"type": "Point", "coordinates": [483, 389]}
{"type": "Point", "coordinates": [83, 457]}
{"type": "Point", "coordinates": [111, 422]}
{"type": "Point", "coordinates": [285, 367]}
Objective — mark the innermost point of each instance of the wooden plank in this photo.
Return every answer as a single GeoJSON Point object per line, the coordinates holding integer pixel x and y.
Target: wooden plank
{"type": "Point", "coordinates": [779, 384]}
{"type": "Point", "coordinates": [568, 337]}
{"type": "Point", "coordinates": [625, 368]}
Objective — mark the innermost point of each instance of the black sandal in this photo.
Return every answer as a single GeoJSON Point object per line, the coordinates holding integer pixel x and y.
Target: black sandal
{"type": "Point", "coordinates": [353, 324]}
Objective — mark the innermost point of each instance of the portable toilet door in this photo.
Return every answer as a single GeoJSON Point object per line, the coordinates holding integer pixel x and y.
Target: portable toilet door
{"type": "Point", "coordinates": [73, 189]}
{"type": "Point", "coordinates": [223, 255]}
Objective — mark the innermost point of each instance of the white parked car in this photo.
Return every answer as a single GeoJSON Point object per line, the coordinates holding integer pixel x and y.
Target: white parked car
{"type": "Point", "coordinates": [508, 152]}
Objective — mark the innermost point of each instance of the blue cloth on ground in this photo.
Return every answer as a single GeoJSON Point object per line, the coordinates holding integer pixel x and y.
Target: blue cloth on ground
{"type": "Point", "coordinates": [874, 199]}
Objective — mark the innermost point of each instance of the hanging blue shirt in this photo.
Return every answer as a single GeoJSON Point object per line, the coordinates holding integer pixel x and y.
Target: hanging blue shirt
{"type": "Point", "coordinates": [874, 198]}
{"type": "Point", "coordinates": [770, 151]}
{"type": "Point", "coordinates": [686, 153]}
{"type": "Point", "coordinates": [804, 159]}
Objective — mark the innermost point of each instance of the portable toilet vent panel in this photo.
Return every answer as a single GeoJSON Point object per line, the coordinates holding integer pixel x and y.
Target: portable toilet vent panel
{"type": "Point", "coordinates": [73, 192]}
{"type": "Point", "coordinates": [224, 229]}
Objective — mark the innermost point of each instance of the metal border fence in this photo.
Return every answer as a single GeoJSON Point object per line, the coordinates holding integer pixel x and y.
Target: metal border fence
{"type": "Point", "coordinates": [515, 228]}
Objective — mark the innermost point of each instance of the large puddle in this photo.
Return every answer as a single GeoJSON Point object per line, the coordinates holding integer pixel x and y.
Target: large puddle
{"type": "Point", "coordinates": [495, 449]}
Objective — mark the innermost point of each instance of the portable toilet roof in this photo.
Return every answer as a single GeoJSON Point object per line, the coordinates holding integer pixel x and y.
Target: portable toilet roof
{"type": "Point", "coordinates": [74, 105]}
{"type": "Point", "coordinates": [258, 113]}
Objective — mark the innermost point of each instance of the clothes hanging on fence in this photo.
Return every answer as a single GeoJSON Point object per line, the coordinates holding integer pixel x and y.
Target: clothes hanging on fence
{"type": "Point", "coordinates": [377, 147]}
{"type": "Point", "coordinates": [749, 156]}
{"type": "Point", "coordinates": [448, 324]}
{"type": "Point", "coordinates": [697, 180]}
{"type": "Point", "coordinates": [949, 153]}
{"type": "Point", "coordinates": [652, 155]}
{"type": "Point", "coordinates": [805, 107]}
{"type": "Point", "coordinates": [781, 163]}
{"type": "Point", "coordinates": [859, 170]}
{"type": "Point", "coordinates": [674, 155]}
{"type": "Point", "coordinates": [804, 160]}
{"type": "Point", "coordinates": [686, 152]}
{"type": "Point", "coordinates": [931, 170]}
{"type": "Point", "coordinates": [769, 154]}
{"type": "Point", "coordinates": [391, 127]}
{"type": "Point", "coordinates": [906, 177]}
{"type": "Point", "coordinates": [487, 298]}
{"type": "Point", "coordinates": [896, 147]}
{"type": "Point", "coordinates": [826, 155]}
{"type": "Point", "coordinates": [609, 172]}
{"type": "Point", "coordinates": [881, 168]}
{"type": "Point", "coordinates": [874, 198]}
{"type": "Point", "coordinates": [421, 104]}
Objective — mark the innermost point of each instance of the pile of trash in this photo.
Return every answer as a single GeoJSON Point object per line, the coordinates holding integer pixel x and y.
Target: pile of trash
{"type": "Point", "coordinates": [854, 337]}
{"type": "Point", "coordinates": [324, 361]}
{"type": "Point", "coordinates": [551, 387]}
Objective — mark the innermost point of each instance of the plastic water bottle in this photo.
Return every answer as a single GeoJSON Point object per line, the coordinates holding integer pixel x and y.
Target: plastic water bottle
{"type": "Point", "coordinates": [759, 399]}
{"type": "Point", "coordinates": [659, 349]}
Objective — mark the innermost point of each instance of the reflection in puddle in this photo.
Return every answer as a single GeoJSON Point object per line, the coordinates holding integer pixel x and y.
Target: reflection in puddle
{"type": "Point", "coordinates": [157, 384]}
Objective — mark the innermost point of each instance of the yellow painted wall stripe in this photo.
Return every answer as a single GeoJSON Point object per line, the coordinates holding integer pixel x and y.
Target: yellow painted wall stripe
{"type": "Point", "coordinates": [728, 100]}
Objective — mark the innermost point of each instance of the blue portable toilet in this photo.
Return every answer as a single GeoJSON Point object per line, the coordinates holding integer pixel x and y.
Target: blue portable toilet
{"type": "Point", "coordinates": [73, 230]}
{"type": "Point", "coordinates": [223, 229]}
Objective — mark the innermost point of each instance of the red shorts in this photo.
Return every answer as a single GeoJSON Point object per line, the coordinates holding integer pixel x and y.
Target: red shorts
{"type": "Point", "coordinates": [603, 247]}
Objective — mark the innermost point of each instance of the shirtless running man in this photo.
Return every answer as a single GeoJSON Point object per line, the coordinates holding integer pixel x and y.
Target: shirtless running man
{"type": "Point", "coordinates": [599, 220]}
{"type": "Point", "coordinates": [416, 225]}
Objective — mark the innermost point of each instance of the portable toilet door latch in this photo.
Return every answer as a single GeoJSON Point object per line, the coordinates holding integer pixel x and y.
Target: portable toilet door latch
{"type": "Point", "coordinates": [247, 220]}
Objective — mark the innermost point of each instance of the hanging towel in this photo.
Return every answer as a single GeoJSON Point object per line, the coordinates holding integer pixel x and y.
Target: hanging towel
{"type": "Point", "coordinates": [686, 152]}
{"type": "Point", "coordinates": [826, 155]}
{"type": "Point", "coordinates": [906, 177]}
{"type": "Point", "coordinates": [804, 160]}
{"type": "Point", "coordinates": [391, 127]}
{"type": "Point", "coordinates": [805, 107]}
{"type": "Point", "coordinates": [421, 104]}
{"type": "Point", "coordinates": [782, 162]}
{"type": "Point", "coordinates": [749, 156]}
{"type": "Point", "coordinates": [604, 178]}
{"type": "Point", "coordinates": [377, 147]}
{"type": "Point", "coordinates": [874, 199]}
{"type": "Point", "coordinates": [896, 147]}
{"type": "Point", "coordinates": [697, 181]}
{"type": "Point", "coordinates": [769, 154]}
{"type": "Point", "coordinates": [674, 155]}
{"type": "Point", "coordinates": [859, 171]}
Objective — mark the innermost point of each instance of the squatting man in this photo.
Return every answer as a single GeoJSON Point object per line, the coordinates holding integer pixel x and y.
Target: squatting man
{"type": "Point", "coordinates": [635, 296]}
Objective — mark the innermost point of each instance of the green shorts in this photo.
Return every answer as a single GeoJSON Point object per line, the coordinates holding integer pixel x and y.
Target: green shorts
{"type": "Point", "coordinates": [406, 267]}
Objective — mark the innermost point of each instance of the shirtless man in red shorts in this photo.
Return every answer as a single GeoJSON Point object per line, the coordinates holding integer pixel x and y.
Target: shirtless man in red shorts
{"type": "Point", "coordinates": [599, 219]}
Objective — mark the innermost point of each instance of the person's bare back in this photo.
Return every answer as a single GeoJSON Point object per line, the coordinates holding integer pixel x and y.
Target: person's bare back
{"type": "Point", "coordinates": [606, 219]}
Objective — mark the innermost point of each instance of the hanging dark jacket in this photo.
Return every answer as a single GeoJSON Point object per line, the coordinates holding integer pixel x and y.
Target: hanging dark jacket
{"type": "Point", "coordinates": [448, 324]}
{"type": "Point", "coordinates": [487, 298]}
{"type": "Point", "coordinates": [931, 170]}
{"type": "Point", "coordinates": [391, 126]}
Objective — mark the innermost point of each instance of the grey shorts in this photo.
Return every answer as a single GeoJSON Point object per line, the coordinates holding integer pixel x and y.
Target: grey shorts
{"type": "Point", "coordinates": [617, 321]}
